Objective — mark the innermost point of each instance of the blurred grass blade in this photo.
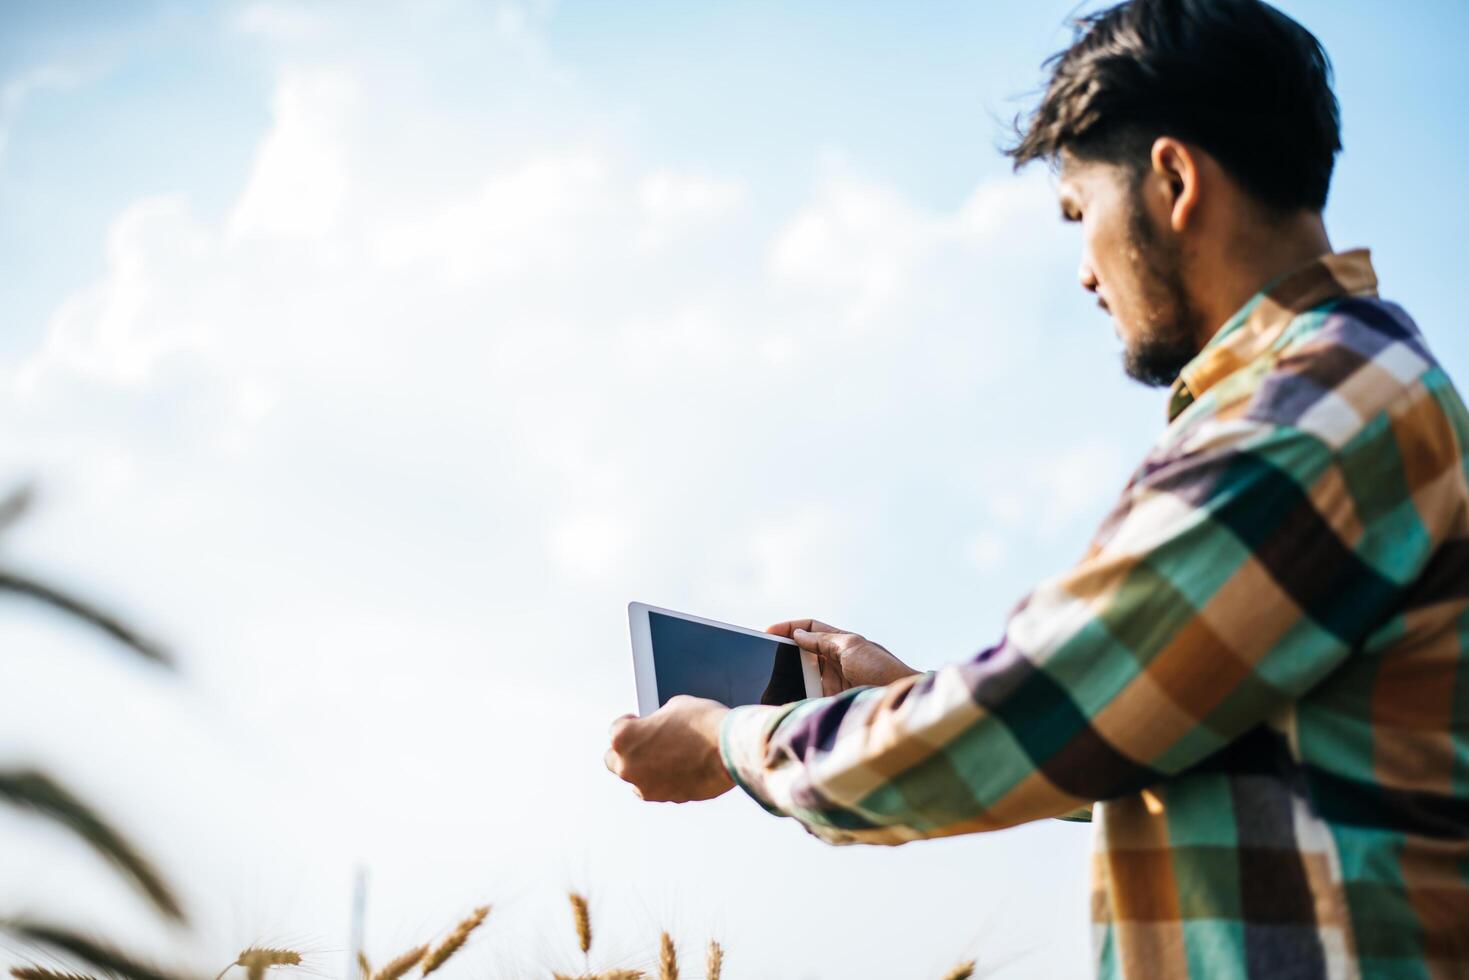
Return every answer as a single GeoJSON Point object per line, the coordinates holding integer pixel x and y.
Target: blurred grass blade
{"type": "Point", "coordinates": [32, 790]}
{"type": "Point", "coordinates": [33, 972]}
{"type": "Point", "coordinates": [108, 959]}
{"type": "Point", "coordinates": [14, 505]}
{"type": "Point", "coordinates": [11, 582]}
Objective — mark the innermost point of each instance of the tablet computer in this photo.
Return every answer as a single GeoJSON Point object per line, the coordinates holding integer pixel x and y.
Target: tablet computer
{"type": "Point", "coordinates": [676, 653]}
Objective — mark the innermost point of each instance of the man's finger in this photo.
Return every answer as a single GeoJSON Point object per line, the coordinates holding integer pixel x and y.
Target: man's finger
{"type": "Point", "coordinates": [813, 625]}
{"type": "Point", "coordinates": [831, 675]}
{"type": "Point", "coordinates": [613, 762]}
{"type": "Point", "coordinates": [618, 722]}
{"type": "Point", "coordinates": [826, 642]}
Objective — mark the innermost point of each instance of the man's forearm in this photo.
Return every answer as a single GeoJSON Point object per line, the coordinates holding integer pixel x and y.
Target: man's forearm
{"type": "Point", "coordinates": [832, 763]}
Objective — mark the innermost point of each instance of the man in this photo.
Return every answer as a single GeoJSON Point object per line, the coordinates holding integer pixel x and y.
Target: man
{"type": "Point", "coordinates": [1258, 676]}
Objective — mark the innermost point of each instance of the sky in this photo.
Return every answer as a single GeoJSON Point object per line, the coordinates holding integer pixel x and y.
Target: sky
{"type": "Point", "coordinates": [375, 356]}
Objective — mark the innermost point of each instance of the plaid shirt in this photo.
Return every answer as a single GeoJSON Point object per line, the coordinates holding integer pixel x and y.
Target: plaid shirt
{"type": "Point", "coordinates": [1259, 670]}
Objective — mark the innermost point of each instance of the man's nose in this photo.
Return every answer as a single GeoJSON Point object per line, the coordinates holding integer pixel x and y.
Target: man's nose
{"type": "Point", "coordinates": [1087, 276]}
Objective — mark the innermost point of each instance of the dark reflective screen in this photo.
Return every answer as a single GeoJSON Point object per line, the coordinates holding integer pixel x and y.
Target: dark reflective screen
{"type": "Point", "coordinates": [732, 668]}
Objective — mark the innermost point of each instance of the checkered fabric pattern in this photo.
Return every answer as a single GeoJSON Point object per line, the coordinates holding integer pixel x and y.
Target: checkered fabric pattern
{"type": "Point", "coordinates": [1257, 677]}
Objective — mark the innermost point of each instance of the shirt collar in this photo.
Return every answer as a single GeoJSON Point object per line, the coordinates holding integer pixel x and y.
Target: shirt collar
{"type": "Point", "coordinates": [1256, 325]}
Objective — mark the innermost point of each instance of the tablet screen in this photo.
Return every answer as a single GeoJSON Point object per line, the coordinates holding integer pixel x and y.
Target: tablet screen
{"type": "Point", "coordinates": [731, 668]}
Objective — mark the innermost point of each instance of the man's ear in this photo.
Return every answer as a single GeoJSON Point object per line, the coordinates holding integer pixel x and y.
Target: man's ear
{"type": "Point", "coordinates": [1176, 164]}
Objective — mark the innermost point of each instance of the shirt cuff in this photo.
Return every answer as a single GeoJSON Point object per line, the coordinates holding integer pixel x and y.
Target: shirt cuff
{"type": "Point", "coordinates": [743, 736]}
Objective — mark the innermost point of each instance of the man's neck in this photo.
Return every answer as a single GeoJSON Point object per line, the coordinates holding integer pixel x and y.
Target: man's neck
{"type": "Point", "coordinates": [1253, 260]}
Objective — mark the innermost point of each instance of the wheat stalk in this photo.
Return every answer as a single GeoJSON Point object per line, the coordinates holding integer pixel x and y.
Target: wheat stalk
{"type": "Point", "coordinates": [667, 958]}
{"type": "Point", "coordinates": [582, 916]}
{"type": "Point", "coordinates": [363, 965]}
{"type": "Point", "coordinates": [963, 971]}
{"type": "Point", "coordinates": [401, 964]}
{"type": "Point", "coordinates": [714, 963]}
{"type": "Point", "coordinates": [41, 973]}
{"type": "Point", "coordinates": [450, 946]}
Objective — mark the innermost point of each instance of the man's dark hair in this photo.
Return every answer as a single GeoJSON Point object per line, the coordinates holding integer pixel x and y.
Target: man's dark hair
{"type": "Point", "coordinates": [1235, 77]}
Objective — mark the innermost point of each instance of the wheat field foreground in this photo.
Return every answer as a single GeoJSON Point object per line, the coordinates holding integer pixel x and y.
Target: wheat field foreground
{"type": "Point", "coordinates": [254, 962]}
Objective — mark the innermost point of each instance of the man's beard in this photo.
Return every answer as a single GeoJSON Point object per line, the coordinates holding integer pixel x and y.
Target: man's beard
{"type": "Point", "coordinates": [1170, 339]}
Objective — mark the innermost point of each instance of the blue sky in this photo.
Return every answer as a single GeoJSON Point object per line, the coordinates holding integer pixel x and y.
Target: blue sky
{"type": "Point", "coordinates": [377, 358]}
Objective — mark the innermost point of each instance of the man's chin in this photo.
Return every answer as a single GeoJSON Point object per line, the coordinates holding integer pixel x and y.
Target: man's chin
{"type": "Point", "coordinates": [1152, 367]}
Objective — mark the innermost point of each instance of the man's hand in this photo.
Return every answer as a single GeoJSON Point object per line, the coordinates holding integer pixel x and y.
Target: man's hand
{"type": "Point", "coordinates": [846, 659]}
{"type": "Point", "coordinates": [673, 754]}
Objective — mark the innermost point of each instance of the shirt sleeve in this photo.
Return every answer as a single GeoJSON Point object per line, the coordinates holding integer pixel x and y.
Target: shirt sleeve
{"type": "Point", "coordinates": [1232, 576]}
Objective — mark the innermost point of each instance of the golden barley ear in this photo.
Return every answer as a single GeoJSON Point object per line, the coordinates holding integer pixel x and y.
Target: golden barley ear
{"type": "Point", "coordinates": [257, 959]}
{"type": "Point", "coordinates": [363, 966]}
{"type": "Point", "coordinates": [963, 971]}
{"type": "Point", "coordinates": [582, 916]}
{"type": "Point", "coordinates": [456, 939]}
{"type": "Point", "coordinates": [267, 956]}
{"type": "Point", "coordinates": [714, 962]}
{"type": "Point", "coordinates": [401, 964]}
{"type": "Point", "coordinates": [41, 973]}
{"type": "Point", "coordinates": [667, 958]}
{"type": "Point", "coordinates": [620, 975]}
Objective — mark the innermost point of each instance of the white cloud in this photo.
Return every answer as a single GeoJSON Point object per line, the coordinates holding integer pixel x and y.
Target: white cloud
{"type": "Point", "coordinates": [676, 203]}
{"type": "Point", "coordinates": [858, 240]}
{"type": "Point", "coordinates": [300, 182]}
{"type": "Point", "coordinates": [771, 562]}
{"type": "Point", "coordinates": [114, 330]}
{"type": "Point", "coordinates": [280, 22]}
{"type": "Point", "coordinates": [588, 545]}
{"type": "Point", "coordinates": [864, 246]}
{"type": "Point", "coordinates": [530, 217]}
{"type": "Point", "coordinates": [393, 451]}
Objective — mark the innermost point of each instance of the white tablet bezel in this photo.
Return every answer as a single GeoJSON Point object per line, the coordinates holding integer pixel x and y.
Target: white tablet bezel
{"type": "Point", "coordinates": [642, 652]}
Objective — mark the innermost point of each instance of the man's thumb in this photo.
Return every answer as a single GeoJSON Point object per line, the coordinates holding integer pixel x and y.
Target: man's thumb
{"type": "Point", "coordinates": [816, 642]}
